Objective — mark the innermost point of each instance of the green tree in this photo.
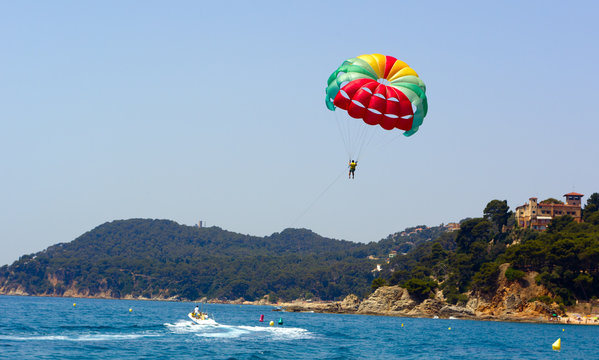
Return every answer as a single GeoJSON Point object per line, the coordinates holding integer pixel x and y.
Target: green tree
{"type": "Point", "coordinates": [591, 207]}
{"type": "Point", "coordinates": [551, 201]}
{"type": "Point", "coordinates": [593, 218]}
{"type": "Point", "coordinates": [472, 230]}
{"type": "Point", "coordinates": [558, 223]}
{"type": "Point", "coordinates": [437, 252]}
{"type": "Point", "coordinates": [497, 212]}
{"type": "Point", "coordinates": [399, 276]}
{"type": "Point", "coordinates": [420, 288]}
{"type": "Point", "coordinates": [512, 274]}
{"type": "Point", "coordinates": [485, 280]}
{"type": "Point", "coordinates": [377, 283]}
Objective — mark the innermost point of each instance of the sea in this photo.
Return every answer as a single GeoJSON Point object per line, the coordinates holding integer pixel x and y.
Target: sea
{"type": "Point", "coordinates": [69, 328]}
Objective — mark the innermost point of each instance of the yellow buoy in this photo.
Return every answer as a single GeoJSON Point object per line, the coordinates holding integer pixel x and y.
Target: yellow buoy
{"type": "Point", "coordinates": [563, 329]}
{"type": "Point", "coordinates": [271, 323]}
{"type": "Point", "coordinates": [448, 328]}
{"type": "Point", "coordinates": [401, 324]}
{"type": "Point", "coordinates": [74, 304]}
{"type": "Point", "coordinates": [130, 310]}
{"type": "Point", "coordinates": [557, 345]}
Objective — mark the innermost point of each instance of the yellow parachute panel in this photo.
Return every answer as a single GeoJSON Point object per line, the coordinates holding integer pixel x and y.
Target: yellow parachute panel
{"type": "Point", "coordinates": [376, 62]}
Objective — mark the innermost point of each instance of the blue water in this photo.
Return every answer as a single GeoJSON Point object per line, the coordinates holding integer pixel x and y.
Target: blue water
{"type": "Point", "coordinates": [52, 328]}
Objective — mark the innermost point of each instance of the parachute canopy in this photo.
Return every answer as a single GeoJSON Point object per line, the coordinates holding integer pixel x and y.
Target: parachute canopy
{"type": "Point", "coordinates": [380, 90]}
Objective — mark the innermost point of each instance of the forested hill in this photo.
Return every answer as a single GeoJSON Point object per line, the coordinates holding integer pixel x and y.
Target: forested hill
{"type": "Point", "coordinates": [165, 240]}
{"type": "Point", "coordinates": [162, 259]}
{"type": "Point", "coordinates": [564, 258]}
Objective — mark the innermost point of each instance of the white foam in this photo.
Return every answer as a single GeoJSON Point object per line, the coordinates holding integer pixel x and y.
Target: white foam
{"type": "Point", "coordinates": [206, 322]}
{"type": "Point", "coordinates": [275, 333]}
{"type": "Point", "coordinates": [186, 326]}
{"type": "Point", "coordinates": [281, 333]}
{"type": "Point", "coordinates": [223, 332]}
{"type": "Point", "coordinates": [86, 337]}
{"type": "Point", "coordinates": [216, 330]}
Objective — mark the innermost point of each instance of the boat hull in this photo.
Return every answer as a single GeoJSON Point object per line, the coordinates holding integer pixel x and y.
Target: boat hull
{"type": "Point", "coordinates": [201, 320]}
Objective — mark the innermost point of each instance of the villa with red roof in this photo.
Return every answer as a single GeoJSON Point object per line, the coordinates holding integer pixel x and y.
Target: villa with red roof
{"type": "Point", "coordinates": [537, 216]}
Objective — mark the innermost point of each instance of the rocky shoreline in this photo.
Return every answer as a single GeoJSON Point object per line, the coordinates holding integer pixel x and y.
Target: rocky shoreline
{"type": "Point", "coordinates": [378, 305]}
{"type": "Point", "coordinates": [512, 301]}
{"type": "Point", "coordinates": [536, 312]}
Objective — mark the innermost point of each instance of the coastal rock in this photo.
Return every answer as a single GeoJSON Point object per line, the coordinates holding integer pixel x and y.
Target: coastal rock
{"type": "Point", "coordinates": [19, 290]}
{"type": "Point", "coordinates": [513, 303]}
{"type": "Point", "coordinates": [387, 299]}
{"type": "Point", "coordinates": [456, 311]}
{"type": "Point", "coordinates": [265, 300]}
{"type": "Point", "coordinates": [350, 303]}
{"type": "Point", "coordinates": [512, 299]}
{"type": "Point", "coordinates": [320, 307]}
{"type": "Point", "coordinates": [428, 307]}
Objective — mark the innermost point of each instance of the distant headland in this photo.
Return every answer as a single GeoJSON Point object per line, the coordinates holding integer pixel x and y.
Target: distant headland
{"type": "Point", "coordinates": [538, 263]}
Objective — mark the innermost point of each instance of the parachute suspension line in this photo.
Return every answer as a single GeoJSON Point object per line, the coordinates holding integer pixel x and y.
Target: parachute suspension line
{"type": "Point", "coordinates": [372, 135]}
{"type": "Point", "coordinates": [367, 136]}
{"type": "Point", "coordinates": [352, 131]}
{"type": "Point", "coordinates": [359, 134]}
{"type": "Point", "coordinates": [359, 138]}
{"type": "Point", "coordinates": [356, 135]}
{"type": "Point", "coordinates": [318, 198]}
{"type": "Point", "coordinates": [344, 132]}
{"type": "Point", "coordinates": [346, 121]}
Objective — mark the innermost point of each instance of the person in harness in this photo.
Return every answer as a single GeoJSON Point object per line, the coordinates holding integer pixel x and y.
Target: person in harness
{"type": "Point", "coordinates": [352, 168]}
{"type": "Point", "coordinates": [199, 314]}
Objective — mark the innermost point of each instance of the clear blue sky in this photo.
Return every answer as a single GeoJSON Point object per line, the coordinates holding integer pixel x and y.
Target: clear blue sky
{"type": "Point", "coordinates": [190, 110]}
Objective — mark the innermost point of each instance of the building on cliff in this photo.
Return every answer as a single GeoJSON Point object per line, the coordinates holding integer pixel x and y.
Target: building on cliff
{"type": "Point", "coordinates": [452, 227]}
{"type": "Point", "coordinates": [537, 216]}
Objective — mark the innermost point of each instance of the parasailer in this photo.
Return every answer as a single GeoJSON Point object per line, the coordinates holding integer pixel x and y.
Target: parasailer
{"type": "Point", "coordinates": [352, 168]}
{"type": "Point", "coordinates": [379, 90]}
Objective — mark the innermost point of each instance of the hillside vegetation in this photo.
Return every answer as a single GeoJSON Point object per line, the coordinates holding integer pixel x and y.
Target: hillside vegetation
{"type": "Point", "coordinates": [566, 258]}
{"type": "Point", "coordinates": [160, 258]}
{"type": "Point", "coordinates": [143, 258]}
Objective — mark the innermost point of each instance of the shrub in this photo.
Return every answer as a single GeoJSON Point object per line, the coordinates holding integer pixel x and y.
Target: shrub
{"type": "Point", "coordinates": [485, 280]}
{"type": "Point", "coordinates": [542, 298]}
{"type": "Point", "coordinates": [377, 283]}
{"type": "Point", "coordinates": [420, 288]}
{"type": "Point", "coordinates": [512, 274]}
{"type": "Point", "coordinates": [455, 298]}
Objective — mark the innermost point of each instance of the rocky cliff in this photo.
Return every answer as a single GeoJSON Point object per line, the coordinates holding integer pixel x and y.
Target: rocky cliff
{"type": "Point", "coordinates": [511, 301]}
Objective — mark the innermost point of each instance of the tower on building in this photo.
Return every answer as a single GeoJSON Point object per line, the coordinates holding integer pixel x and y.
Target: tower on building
{"type": "Point", "coordinates": [573, 198]}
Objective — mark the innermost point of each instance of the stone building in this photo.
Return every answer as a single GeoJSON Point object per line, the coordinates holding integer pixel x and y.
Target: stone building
{"type": "Point", "coordinates": [535, 215]}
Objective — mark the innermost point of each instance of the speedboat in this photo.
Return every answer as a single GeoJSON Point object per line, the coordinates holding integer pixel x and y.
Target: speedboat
{"type": "Point", "coordinates": [201, 318]}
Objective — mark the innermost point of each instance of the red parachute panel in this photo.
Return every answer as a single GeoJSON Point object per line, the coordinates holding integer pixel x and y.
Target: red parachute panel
{"type": "Point", "coordinates": [376, 103]}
